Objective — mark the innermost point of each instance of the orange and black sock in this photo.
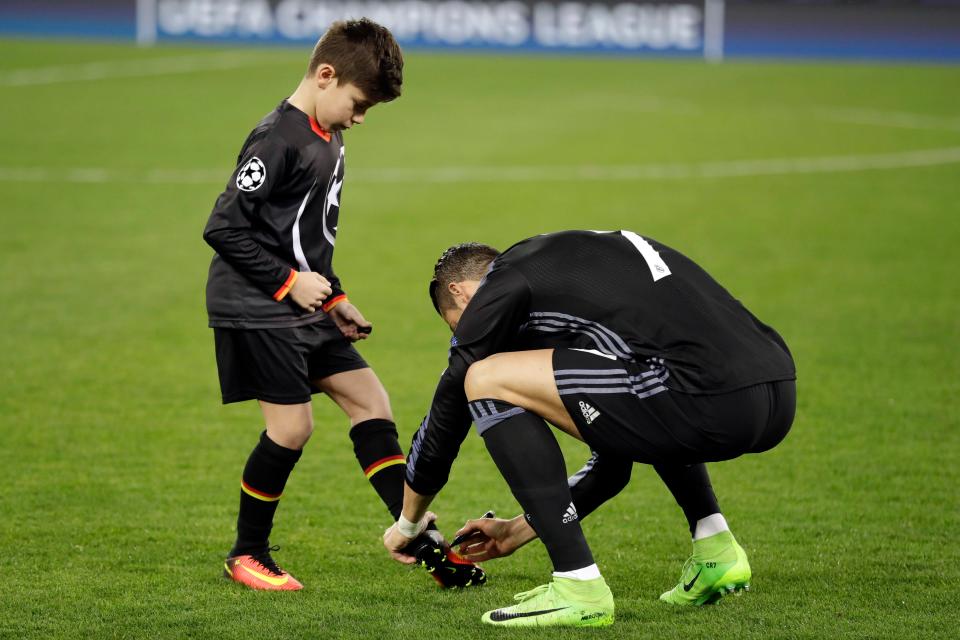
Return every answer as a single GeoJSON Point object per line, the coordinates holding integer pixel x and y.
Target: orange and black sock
{"type": "Point", "coordinates": [264, 478]}
{"type": "Point", "coordinates": [381, 458]}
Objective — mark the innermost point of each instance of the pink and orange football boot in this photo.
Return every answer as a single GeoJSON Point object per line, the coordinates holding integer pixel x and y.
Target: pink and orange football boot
{"type": "Point", "coordinates": [259, 571]}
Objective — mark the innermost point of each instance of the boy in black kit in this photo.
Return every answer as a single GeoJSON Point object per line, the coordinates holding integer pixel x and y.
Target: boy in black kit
{"type": "Point", "coordinates": [283, 325]}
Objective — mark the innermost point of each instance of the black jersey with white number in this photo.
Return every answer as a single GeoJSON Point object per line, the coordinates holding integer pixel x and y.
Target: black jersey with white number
{"type": "Point", "coordinates": [616, 293]}
{"type": "Point", "coordinates": [277, 216]}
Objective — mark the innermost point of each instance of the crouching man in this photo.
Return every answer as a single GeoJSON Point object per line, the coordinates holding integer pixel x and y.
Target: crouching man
{"type": "Point", "coordinates": [618, 341]}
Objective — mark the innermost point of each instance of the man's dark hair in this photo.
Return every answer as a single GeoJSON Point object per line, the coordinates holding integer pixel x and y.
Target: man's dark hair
{"type": "Point", "coordinates": [363, 53]}
{"type": "Point", "coordinates": [467, 261]}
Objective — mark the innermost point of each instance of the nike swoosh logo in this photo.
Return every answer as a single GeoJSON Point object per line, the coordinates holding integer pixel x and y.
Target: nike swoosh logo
{"type": "Point", "coordinates": [689, 585]}
{"type": "Point", "coordinates": [500, 616]}
{"type": "Point", "coordinates": [268, 579]}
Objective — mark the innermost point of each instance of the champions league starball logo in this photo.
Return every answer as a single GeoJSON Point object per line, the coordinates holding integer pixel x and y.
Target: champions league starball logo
{"type": "Point", "coordinates": [251, 175]}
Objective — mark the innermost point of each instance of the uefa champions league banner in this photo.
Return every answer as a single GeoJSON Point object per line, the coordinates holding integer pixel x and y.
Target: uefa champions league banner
{"type": "Point", "coordinates": [673, 28]}
{"type": "Point", "coordinates": [859, 29]}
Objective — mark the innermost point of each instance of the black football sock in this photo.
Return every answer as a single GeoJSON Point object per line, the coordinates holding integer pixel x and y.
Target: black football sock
{"type": "Point", "coordinates": [529, 458]}
{"type": "Point", "coordinates": [264, 478]}
{"type": "Point", "coordinates": [381, 458]}
{"type": "Point", "coordinates": [600, 479]}
{"type": "Point", "coordinates": [691, 488]}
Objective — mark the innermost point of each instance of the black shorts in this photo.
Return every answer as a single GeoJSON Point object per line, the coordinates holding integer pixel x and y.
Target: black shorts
{"type": "Point", "coordinates": [281, 365]}
{"type": "Point", "coordinates": [627, 410]}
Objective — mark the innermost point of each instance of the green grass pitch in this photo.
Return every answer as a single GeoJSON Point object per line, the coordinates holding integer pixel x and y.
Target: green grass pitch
{"type": "Point", "coordinates": [826, 197]}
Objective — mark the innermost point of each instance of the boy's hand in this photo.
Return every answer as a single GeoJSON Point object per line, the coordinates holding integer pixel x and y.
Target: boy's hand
{"type": "Point", "coordinates": [309, 290]}
{"type": "Point", "coordinates": [350, 321]}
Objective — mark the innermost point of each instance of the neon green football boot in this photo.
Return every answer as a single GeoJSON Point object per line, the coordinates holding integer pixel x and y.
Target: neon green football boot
{"type": "Point", "coordinates": [717, 567]}
{"type": "Point", "coordinates": [561, 603]}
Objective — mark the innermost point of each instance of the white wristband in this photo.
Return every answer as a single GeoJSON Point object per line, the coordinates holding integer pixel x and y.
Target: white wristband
{"type": "Point", "coordinates": [410, 529]}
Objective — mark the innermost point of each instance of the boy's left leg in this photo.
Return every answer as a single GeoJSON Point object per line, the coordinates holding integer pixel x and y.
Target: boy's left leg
{"type": "Point", "coordinates": [363, 399]}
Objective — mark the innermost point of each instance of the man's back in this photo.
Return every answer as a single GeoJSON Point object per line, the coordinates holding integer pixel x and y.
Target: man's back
{"type": "Point", "coordinates": [636, 299]}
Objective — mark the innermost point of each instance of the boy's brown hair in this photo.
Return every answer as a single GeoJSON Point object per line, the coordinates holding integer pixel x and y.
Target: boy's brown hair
{"type": "Point", "coordinates": [363, 53]}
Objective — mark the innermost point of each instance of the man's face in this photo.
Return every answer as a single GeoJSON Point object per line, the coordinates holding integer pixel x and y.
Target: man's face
{"type": "Point", "coordinates": [452, 317]}
{"type": "Point", "coordinates": [462, 293]}
{"type": "Point", "coordinates": [340, 106]}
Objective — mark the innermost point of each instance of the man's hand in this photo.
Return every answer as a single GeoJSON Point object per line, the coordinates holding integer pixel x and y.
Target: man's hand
{"type": "Point", "coordinates": [395, 541]}
{"type": "Point", "coordinates": [350, 321]}
{"type": "Point", "coordinates": [491, 538]}
{"type": "Point", "coordinates": [309, 290]}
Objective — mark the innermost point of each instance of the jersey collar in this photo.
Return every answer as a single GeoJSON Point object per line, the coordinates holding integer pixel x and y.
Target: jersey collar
{"type": "Point", "coordinates": [317, 129]}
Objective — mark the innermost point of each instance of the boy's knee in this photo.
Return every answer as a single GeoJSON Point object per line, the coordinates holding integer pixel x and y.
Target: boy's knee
{"type": "Point", "coordinates": [375, 406]}
{"type": "Point", "coordinates": [305, 428]}
{"type": "Point", "coordinates": [357, 416]}
{"type": "Point", "coordinates": [293, 434]}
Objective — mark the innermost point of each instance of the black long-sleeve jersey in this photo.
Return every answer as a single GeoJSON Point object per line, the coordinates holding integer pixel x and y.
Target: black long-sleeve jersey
{"type": "Point", "coordinates": [278, 216]}
{"type": "Point", "coordinates": [618, 293]}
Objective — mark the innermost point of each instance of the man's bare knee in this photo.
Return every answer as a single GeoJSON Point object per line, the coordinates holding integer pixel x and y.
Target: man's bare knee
{"type": "Point", "coordinates": [481, 380]}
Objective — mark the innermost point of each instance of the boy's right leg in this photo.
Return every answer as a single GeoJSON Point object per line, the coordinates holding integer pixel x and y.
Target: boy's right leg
{"type": "Point", "coordinates": [264, 477]}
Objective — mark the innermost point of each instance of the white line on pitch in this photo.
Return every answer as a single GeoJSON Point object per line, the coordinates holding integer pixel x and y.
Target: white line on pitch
{"type": "Point", "coordinates": [530, 173]}
{"type": "Point", "coordinates": [678, 171]}
{"type": "Point", "coordinates": [897, 119]}
{"type": "Point", "coordinates": [84, 72]}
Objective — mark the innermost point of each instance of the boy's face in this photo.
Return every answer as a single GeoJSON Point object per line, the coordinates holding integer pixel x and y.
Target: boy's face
{"type": "Point", "coordinates": [338, 106]}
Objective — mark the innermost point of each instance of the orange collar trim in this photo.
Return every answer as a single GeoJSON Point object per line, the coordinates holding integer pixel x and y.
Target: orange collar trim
{"type": "Point", "coordinates": [317, 129]}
